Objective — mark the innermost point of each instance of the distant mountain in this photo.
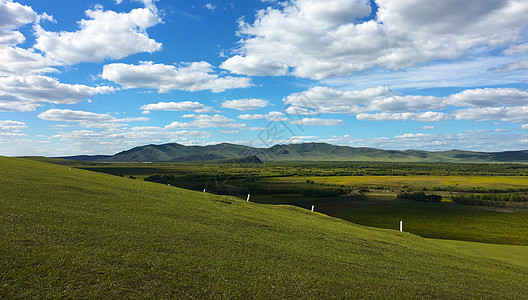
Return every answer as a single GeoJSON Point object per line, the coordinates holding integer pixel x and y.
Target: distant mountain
{"type": "Point", "coordinates": [85, 157]}
{"type": "Point", "coordinates": [302, 152]}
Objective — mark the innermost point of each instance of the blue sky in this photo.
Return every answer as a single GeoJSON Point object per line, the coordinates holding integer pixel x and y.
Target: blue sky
{"type": "Point", "coordinates": [99, 77]}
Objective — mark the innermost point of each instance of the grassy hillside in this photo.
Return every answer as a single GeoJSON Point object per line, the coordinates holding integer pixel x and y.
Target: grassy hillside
{"type": "Point", "coordinates": [71, 233]}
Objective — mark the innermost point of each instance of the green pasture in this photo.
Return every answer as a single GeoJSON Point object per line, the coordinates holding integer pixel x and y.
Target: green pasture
{"type": "Point", "coordinates": [70, 233]}
{"type": "Point", "coordinates": [415, 182]}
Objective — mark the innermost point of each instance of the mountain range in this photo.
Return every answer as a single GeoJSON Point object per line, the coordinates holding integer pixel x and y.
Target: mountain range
{"type": "Point", "coordinates": [232, 153]}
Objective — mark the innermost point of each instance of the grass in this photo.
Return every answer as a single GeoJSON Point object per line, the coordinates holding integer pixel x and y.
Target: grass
{"type": "Point", "coordinates": [442, 220]}
{"type": "Point", "coordinates": [416, 181]}
{"type": "Point", "coordinates": [71, 233]}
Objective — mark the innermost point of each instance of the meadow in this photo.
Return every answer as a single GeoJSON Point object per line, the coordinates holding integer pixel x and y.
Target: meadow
{"type": "Point", "coordinates": [71, 233]}
{"type": "Point", "coordinates": [366, 199]}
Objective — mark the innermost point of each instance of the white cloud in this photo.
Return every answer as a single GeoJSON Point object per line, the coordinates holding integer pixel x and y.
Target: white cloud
{"type": "Point", "coordinates": [178, 106]}
{"type": "Point", "coordinates": [254, 66]}
{"type": "Point", "coordinates": [206, 121]}
{"type": "Point", "coordinates": [519, 48]}
{"type": "Point", "coordinates": [393, 107]}
{"type": "Point", "coordinates": [276, 116]}
{"type": "Point", "coordinates": [406, 104]}
{"type": "Point", "coordinates": [429, 116]}
{"type": "Point", "coordinates": [19, 93]}
{"type": "Point", "coordinates": [516, 114]}
{"type": "Point", "coordinates": [87, 119]}
{"type": "Point", "coordinates": [251, 117]}
{"type": "Point", "coordinates": [489, 97]}
{"type": "Point", "coordinates": [245, 104]}
{"type": "Point", "coordinates": [469, 72]}
{"type": "Point", "coordinates": [14, 15]}
{"type": "Point", "coordinates": [10, 129]}
{"type": "Point", "coordinates": [321, 96]}
{"type": "Point", "coordinates": [473, 141]}
{"type": "Point", "coordinates": [329, 100]}
{"type": "Point", "coordinates": [18, 61]}
{"type": "Point", "coordinates": [228, 131]}
{"type": "Point", "coordinates": [427, 128]}
{"type": "Point", "coordinates": [520, 65]}
{"type": "Point", "coordinates": [524, 126]}
{"type": "Point", "coordinates": [210, 7]}
{"type": "Point", "coordinates": [67, 115]}
{"type": "Point", "coordinates": [318, 122]}
{"type": "Point", "coordinates": [300, 111]}
{"type": "Point", "coordinates": [106, 34]}
{"type": "Point", "coordinates": [411, 135]}
{"type": "Point", "coordinates": [191, 77]}
{"type": "Point", "coordinates": [325, 39]}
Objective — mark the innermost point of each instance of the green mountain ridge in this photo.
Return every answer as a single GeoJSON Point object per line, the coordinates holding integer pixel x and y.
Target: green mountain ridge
{"type": "Point", "coordinates": [174, 152]}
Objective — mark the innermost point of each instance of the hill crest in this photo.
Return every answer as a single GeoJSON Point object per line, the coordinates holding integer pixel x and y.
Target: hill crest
{"type": "Point", "coordinates": [174, 152]}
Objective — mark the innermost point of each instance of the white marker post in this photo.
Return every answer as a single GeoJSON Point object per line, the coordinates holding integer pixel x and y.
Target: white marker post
{"type": "Point", "coordinates": [204, 191]}
{"type": "Point", "coordinates": [313, 207]}
{"type": "Point", "coordinates": [248, 197]}
{"type": "Point", "coordinates": [401, 225]}
{"type": "Point", "coordinates": [168, 184]}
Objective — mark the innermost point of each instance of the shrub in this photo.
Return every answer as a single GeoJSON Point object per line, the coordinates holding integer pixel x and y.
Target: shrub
{"type": "Point", "coordinates": [420, 196]}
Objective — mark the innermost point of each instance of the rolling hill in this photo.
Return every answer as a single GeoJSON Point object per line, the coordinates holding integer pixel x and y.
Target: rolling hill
{"type": "Point", "coordinates": [70, 233]}
{"type": "Point", "coordinates": [304, 152]}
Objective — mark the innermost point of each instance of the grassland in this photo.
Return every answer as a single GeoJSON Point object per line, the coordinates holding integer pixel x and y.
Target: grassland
{"type": "Point", "coordinates": [70, 233]}
{"type": "Point", "coordinates": [284, 183]}
{"type": "Point", "coordinates": [419, 182]}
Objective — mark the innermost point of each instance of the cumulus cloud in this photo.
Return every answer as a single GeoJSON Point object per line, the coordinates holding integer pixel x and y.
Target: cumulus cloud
{"type": "Point", "coordinates": [87, 119]}
{"type": "Point", "coordinates": [406, 104]}
{"type": "Point", "coordinates": [210, 6]}
{"type": "Point", "coordinates": [67, 115]}
{"type": "Point", "coordinates": [13, 126]}
{"type": "Point", "coordinates": [106, 34]}
{"type": "Point", "coordinates": [429, 116]}
{"type": "Point", "coordinates": [18, 61]}
{"type": "Point", "coordinates": [196, 76]}
{"type": "Point", "coordinates": [427, 128]}
{"type": "Point", "coordinates": [489, 97]}
{"type": "Point", "coordinates": [300, 111]}
{"type": "Point", "coordinates": [19, 93]}
{"type": "Point", "coordinates": [411, 135]}
{"type": "Point", "coordinates": [516, 114]}
{"type": "Point", "coordinates": [14, 15]}
{"type": "Point", "coordinates": [481, 141]}
{"type": "Point", "coordinates": [251, 116]}
{"type": "Point", "coordinates": [393, 107]}
{"type": "Point", "coordinates": [318, 40]}
{"type": "Point", "coordinates": [329, 100]}
{"type": "Point", "coordinates": [245, 104]}
{"type": "Point", "coordinates": [178, 106]}
{"type": "Point", "coordinates": [318, 122]}
{"type": "Point", "coordinates": [320, 96]}
{"type": "Point", "coordinates": [207, 121]}
{"type": "Point", "coordinates": [228, 131]}
{"type": "Point", "coordinates": [10, 128]}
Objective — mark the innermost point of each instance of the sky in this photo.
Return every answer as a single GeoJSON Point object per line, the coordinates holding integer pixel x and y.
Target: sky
{"type": "Point", "coordinates": [103, 76]}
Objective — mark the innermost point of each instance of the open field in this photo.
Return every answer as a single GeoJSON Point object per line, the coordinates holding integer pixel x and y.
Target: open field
{"type": "Point", "coordinates": [377, 207]}
{"type": "Point", "coordinates": [444, 220]}
{"type": "Point", "coordinates": [70, 233]}
{"type": "Point", "coordinates": [416, 182]}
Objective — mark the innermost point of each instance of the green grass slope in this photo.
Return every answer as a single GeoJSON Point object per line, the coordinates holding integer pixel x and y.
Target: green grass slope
{"type": "Point", "coordinates": [72, 233]}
